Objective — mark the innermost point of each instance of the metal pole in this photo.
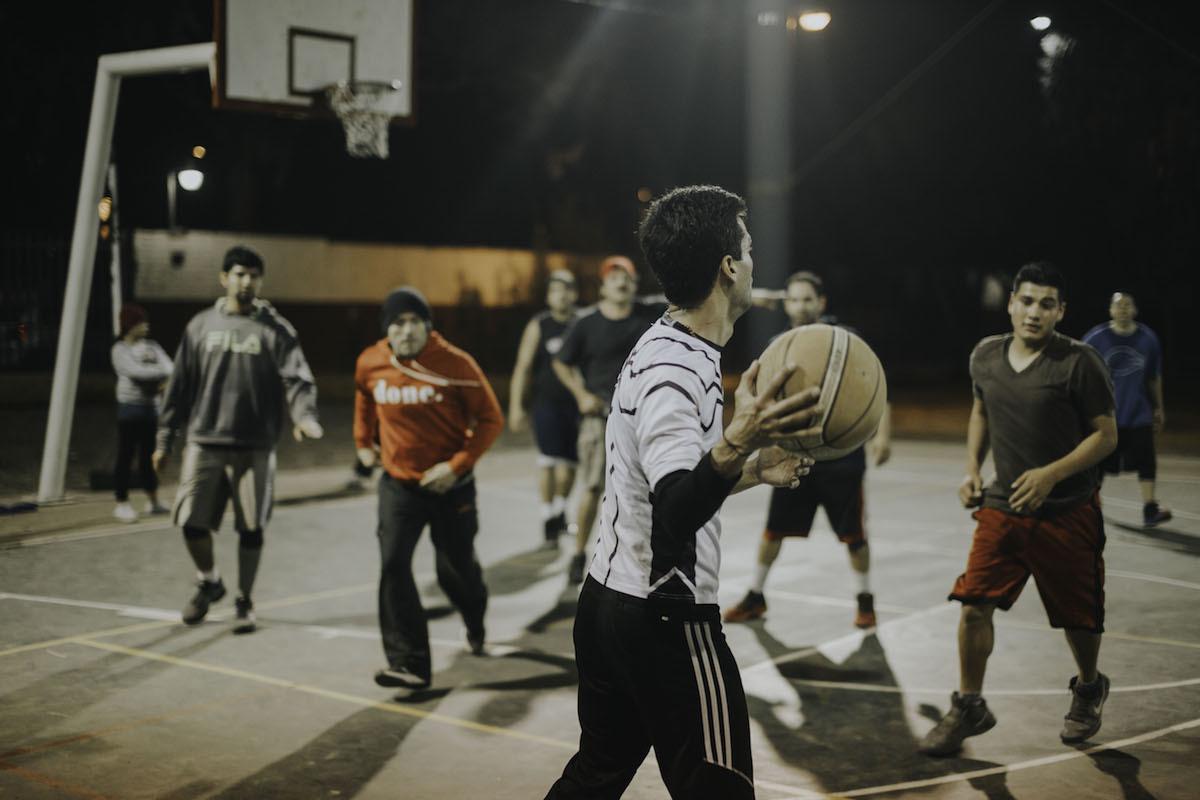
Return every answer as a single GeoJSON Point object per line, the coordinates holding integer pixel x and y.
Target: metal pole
{"type": "Point", "coordinates": [109, 70]}
{"type": "Point", "coordinates": [171, 202]}
{"type": "Point", "coordinates": [768, 152]}
{"type": "Point", "coordinates": [115, 243]}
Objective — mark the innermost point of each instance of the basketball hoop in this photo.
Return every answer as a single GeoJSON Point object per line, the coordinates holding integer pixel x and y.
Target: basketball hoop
{"type": "Point", "coordinates": [366, 109]}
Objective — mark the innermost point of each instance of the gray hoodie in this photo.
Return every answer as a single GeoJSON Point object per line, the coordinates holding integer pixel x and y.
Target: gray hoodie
{"type": "Point", "coordinates": [141, 368]}
{"type": "Point", "coordinates": [232, 375]}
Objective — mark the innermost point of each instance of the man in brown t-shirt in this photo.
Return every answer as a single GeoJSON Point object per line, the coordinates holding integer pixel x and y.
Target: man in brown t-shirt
{"type": "Point", "coordinates": [1044, 404]}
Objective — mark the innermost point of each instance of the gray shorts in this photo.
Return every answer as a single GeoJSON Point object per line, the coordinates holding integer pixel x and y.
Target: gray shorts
{"type": "Point", "coordinates": [591, 452]}
{"type": "Point", "coordinates": [211, 476]}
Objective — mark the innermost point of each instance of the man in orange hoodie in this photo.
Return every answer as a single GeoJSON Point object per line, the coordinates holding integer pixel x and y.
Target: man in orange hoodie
{"type": "Point", "coordinates": [435, 414]}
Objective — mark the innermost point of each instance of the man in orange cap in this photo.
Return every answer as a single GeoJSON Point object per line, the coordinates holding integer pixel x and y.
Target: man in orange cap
{"type": "Point", "coordinates": [588, 364]}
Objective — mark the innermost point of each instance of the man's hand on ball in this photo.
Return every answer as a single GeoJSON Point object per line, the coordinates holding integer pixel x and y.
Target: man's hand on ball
{"type": "Point", "coordinates": [779, 467]}
{"type": "Point", "coordinates": [759, 419]}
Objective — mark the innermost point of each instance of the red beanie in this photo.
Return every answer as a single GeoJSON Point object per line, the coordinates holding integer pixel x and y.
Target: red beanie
{"type": "Point", "coordinates": [131, 314]}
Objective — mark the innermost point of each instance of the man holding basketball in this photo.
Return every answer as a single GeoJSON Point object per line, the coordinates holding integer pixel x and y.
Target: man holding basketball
{"type": "Point", "coordinates": [654, 667]}
{"type": "Point", "coordinates": [1044, 403]}
{"type": "Point", "coordinates": [836, 485]}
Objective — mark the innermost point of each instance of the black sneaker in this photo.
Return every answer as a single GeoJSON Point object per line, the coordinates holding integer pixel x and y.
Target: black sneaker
{"type": "Point", "coordinates": [1153, 514]}
{"type": "Point", "coordinates": [399, 677]}
{"type": "Point", "coordinates": [476, 641]}
{"type": "Point", "coordinates": [753, 606]}
{"type": "Point", "coordinates": [206, 592]}
{"type": "Point", "coordinates": [244, 619]}
{"type": "Point", "coordinates": [865, 616]}
{"type": "Point", "coordinates": [1087, 701]}
{"type": "Point", "coordinates": [962, 720]}
{"type": "Point", "coordinates": [577, 568]}
{"type": "Point", "coordinates": [550, 532]}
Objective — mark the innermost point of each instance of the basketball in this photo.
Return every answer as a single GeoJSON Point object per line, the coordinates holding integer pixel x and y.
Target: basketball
{"type": "Point", "coordinates": [853, 386]}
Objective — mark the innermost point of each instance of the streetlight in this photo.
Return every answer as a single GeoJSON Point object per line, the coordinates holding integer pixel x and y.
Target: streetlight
{"type": "Point", "coordinates": [190, 180]}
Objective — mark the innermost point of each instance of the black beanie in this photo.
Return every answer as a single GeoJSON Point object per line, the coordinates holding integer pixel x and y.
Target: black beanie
{"type": "Point", "coordinates": [404, 300]}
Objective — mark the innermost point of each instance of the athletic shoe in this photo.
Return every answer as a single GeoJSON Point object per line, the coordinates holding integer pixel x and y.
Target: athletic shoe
{"type": "Point", "coordinates": [865, 618]}
{"type": "Point", "coordinates": [962, 720]}
{"type": "Point", "coordinates": [1087, 701]}
{"type": "Point", "coordinates": [156, 509]}
{"type": "Point", "coordinates": [399, 677]}
{"type": "Point", "coordinates": [578, 566]}
{"type": "Point", "coordinates": [753, 606]}
{"type": "Point", "coordinates": [475, 642]}
{"type": "Point", "coordinates": [1153, 515]}
{"type": "Point", "coordinates": [125, 513]}
{"type": "Point", "coordinates": [206, 592]}
{"type": "Point", "coordinates": [550, 532]}
{"type": "Point", "coordinates": [244, 619]}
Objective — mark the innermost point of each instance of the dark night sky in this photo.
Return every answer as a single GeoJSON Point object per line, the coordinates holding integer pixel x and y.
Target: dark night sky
{"type": "Point", "coordinates": [972, 169]}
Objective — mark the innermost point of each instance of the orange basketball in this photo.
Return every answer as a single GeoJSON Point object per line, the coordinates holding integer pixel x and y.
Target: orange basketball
{"type": "Point", "coordinates": [853, 386]}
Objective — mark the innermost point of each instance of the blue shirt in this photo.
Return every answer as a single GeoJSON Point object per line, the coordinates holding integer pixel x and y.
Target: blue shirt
{"type": "Point", "coordinates": [1133, 360]}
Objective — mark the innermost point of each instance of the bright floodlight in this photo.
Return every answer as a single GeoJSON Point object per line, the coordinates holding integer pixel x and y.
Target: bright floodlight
{"type": "Point", "coordinates": [1040, 23]}
{"type": "Point", "coordinates": [813, 21]}
{"type": "Point", "coordinates": [191, 179]}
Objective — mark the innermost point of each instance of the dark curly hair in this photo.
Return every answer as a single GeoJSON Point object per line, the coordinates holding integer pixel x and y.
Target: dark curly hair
{"type": "Point", "coordinates": [684, 236]}
{"type": "Point", "coordinates": [245, 255]}
{"type": "Point", "coordinates": [1041, 273]}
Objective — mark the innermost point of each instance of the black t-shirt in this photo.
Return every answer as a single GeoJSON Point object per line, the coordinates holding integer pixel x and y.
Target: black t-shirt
{"type": "Point", "coordinates": [547, 388]}
{"type": "Point", "coordinates": [1038, 415]}
{"type": "Point", "coordinates": [598, 346]}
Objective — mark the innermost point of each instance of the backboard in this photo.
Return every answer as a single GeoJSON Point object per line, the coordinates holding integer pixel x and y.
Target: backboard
{"type": "Point", "coordinates": [277, 56]}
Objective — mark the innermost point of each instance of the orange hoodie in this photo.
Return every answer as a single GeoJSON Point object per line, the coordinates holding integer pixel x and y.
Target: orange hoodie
{"type": "Point", "coordinates": [429, 409]}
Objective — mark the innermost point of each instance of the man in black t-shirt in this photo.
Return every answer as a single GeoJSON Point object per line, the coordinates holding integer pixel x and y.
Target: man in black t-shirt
{"type": "Point", "coordinates": [555, 417]}
{"type": "Point", "coordinates": [588, 365]}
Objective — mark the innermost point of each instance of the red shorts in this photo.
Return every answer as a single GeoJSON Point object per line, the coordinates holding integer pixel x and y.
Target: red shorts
{"type": "Point", "coordinates": [1064, 553]}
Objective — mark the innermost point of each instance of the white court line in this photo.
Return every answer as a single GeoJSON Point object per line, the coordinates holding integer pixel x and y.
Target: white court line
{"type": "Point", "coordinates": [138, 612]}
{"type": "Point", "coordinates": [841, 640]}
{"type": "Point", "coordinates": [1036, 762]}
{"type": "Point", "coordinates": [887, 689]}
{"type": "Point", "coordinates": [1138, 576]}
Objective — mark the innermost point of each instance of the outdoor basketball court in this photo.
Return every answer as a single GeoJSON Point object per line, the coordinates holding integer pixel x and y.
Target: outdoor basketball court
{"type": "Point", "coordinates": [106, 694]}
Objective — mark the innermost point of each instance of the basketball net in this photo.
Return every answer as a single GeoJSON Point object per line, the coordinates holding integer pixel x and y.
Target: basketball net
{"type": "Point", "coordinates": [365, 109]}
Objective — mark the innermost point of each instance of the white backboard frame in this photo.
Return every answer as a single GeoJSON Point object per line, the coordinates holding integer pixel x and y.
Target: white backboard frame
{"type": "Point", "coordinates": [277, 56]}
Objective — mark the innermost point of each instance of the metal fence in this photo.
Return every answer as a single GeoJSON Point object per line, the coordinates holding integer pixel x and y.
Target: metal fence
{"type": "Point", "coordinates": [33, 273]}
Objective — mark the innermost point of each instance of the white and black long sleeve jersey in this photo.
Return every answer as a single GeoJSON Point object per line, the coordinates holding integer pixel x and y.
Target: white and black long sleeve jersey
{"type": "Point", "coordinates": [659, 530]}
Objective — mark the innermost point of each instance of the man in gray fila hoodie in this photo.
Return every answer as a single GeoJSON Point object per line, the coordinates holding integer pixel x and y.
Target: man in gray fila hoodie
{"type": "Point", "coordinates": [237, 364]}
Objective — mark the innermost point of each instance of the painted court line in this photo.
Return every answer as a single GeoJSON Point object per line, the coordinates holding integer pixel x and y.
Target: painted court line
{"type": "Point", "coordinates": [1036, 762]}
{"type": "Point", "coordinates": [345, 697]}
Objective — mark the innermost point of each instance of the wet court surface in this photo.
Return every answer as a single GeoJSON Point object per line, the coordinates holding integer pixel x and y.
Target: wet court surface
{"type": "Point", "coordinates": [104, 693]}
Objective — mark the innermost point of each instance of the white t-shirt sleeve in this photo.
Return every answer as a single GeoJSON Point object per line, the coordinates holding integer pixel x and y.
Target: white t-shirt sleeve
{"type": "Point", "coordinates": [667, 423]}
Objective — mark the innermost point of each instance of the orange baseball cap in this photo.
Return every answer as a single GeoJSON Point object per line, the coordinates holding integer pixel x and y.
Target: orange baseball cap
{"type": "Point", "coordinates": [617, 262]}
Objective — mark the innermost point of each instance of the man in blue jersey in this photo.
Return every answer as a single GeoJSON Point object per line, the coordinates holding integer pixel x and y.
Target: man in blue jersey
{"type": "Point", "coordinates": [1134, 358]}
{"type": "Point", "coordinates": [555, 415]}
{"type": "Point", "coordinates": [655, 670]}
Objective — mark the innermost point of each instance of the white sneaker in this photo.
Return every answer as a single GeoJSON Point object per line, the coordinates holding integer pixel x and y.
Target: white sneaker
{"type": "Point", "coordinates": [125, 513]}
{"type": "Point", "coordinates": [156, 509]}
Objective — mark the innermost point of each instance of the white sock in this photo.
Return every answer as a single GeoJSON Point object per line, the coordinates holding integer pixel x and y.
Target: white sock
{"type": "Point", "coordinates": [547, 511]}
{"type": "Point", "coordinates": [760, 577]}
{"type": "Point", "coordinates": [558, 505]}
{"type": "Point", "coordinates": [864, 582]}
{"type": "Point", "coordinates": [212, 576]}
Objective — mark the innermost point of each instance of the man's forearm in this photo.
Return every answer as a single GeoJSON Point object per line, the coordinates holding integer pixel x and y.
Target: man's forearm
{"type": "Point", "coordinates": [1088, 453]}
{"type": "Point", "coordinates": [977, 442]}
